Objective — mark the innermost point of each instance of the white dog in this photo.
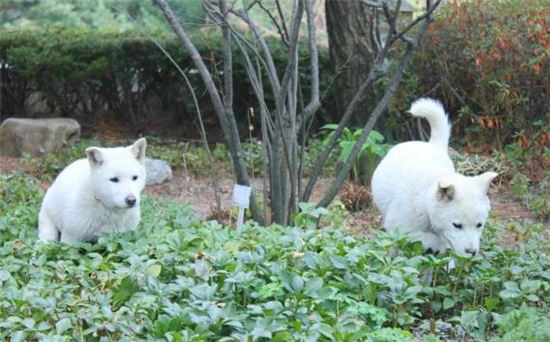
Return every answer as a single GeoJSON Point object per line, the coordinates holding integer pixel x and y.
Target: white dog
{"type": "Point", "coordinates": [418, 191]}
{"type": "Point", "coordinates": [94, 196]}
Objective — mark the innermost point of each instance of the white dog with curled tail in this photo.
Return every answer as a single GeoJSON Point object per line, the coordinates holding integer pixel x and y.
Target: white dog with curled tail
{"type": "Point", "coordinates": [93, 196]}
{"type": "Point", "coordinates": [418, 191]}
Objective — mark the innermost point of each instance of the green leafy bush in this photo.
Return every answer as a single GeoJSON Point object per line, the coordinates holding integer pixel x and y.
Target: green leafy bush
{"type": "Point", "coordinates": [177, 278]}
{"type": "Point", "coordinates": [89, 73]}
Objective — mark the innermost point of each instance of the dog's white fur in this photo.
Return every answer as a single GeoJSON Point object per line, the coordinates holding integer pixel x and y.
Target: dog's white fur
{"type": "Point", "coordinates": [93, 196]}
{"type": "Point", "coordinates": [418, 191]}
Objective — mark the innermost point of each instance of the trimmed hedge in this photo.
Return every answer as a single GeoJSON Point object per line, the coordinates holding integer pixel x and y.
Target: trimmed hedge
{"type": "Point", "coordinates": [85, 73]}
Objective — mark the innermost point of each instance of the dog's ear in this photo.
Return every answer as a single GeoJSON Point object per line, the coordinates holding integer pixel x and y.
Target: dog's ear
{"type": "Point", "coordinates": [95, 157]}
{"type": "Point", "coordinates": [445, 191]}
{"type": "Point", "coordinates": [484, 180]}
{"type": "Point", "coordinates": [138, 149]}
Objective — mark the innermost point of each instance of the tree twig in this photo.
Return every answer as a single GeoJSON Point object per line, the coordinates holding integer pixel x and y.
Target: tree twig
{"type": "Point", "coordinates": [375, 114]}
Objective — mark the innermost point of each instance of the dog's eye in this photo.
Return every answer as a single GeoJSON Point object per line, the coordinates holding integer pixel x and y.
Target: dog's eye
{"type": "Point", "coordinates": [135, 177]}
{"type": "Point", "coordinates": [457, 225]}
{"type": "Point", "coordinates": [479, 225]}
{"type": "Point", "coordinates": [114, 179]}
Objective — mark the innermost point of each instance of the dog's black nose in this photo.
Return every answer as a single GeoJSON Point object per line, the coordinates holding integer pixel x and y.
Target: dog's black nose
{"type": "Point", "coordinates": [131, 201]}
{"type": "Point", "coordinates": [471, 251]}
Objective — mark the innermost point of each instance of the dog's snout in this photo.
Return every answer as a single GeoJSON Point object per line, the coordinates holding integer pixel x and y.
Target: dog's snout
{"type": "Point", "coordinates": [471, 251]}
{"type": "Point", "coordinates": [131, 200]}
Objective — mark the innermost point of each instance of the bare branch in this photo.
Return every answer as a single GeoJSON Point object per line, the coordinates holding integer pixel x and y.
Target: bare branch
{"type": "Point", "coordinates": [374, 74]}
{"type": "Point", "coordinates": [429, 10]}
{"type": "Point", "coordinates": [281, 17]}
{"type": "Point", "coordinates": [270, 64]}
{"type": "Point", "coordinates": [282, 30]}
{"type": "Point", "coordinates": [375, 114]}
{"type": "Point", "coordinates": [226, 117]}
{"type": "Point", "coordinates": [292, 53]}
{"type": "Point", "coordinates": [314, 102]}
{"type": "Point", "coordinates": [227, 60]}
{"type": "Point", "coordinates": [204, 139]}
{"type": "Point", "coordinates": [198, 61]}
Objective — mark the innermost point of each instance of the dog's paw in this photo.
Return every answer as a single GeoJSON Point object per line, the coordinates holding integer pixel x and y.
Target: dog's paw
{"type": "Point", "coordinates": [452, 265]}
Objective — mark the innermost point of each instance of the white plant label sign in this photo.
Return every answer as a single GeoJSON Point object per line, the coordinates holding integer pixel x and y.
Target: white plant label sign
{"type": "Point", "coordinates": [241, 198]}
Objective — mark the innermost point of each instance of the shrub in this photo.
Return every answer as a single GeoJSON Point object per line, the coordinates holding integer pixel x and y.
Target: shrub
{"type": "Point", "coordinates": [489, 61]}
{"type": "Point", "coordinates": [84, 73]}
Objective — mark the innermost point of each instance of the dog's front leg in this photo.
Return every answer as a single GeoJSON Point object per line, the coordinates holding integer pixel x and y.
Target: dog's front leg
{"type": "Point", "coordinates": [68, 237]}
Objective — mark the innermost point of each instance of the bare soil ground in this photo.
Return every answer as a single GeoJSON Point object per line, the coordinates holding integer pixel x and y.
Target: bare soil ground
{"type": "Point", "coordinates": [198, 192]}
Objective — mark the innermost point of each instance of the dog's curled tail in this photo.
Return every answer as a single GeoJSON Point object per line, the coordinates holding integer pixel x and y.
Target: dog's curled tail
{"type": "Point", "coordinates": [434, 112]}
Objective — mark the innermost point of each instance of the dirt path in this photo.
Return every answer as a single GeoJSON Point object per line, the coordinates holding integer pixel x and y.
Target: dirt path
{"type": "Point", "coordinates": [9, 164]}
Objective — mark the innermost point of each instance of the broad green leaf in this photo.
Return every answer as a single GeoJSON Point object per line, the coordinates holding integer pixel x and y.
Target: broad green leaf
{"type": "Point", "coordinates": [282, 336]}
{"type": "Point", "coordinates": [530, 286]}
{"type": "Point", "coordinates": [330, 126]}
{"type": "Point", "coordinates": [448, 303]}
{"type": "Point", "coordinates": [533, 298]}
{"type": "Point", "coordinates": [29, 323]}
{"type": "Point", "coordinates": [507, 294]}
{"type": "Point", "coordinates": [127, 288]}
{"type": "Point", "coordinates": [491, 303]}
{"type": "Point", "coordinates": [18, 336]}
{"type": "Point", "coordinates": [313, 285]}
{"type": "Point", "coordinates": [153, 270]}
{"type": "Point", "coordinates": [232, 246]}
{"type": "Point", "coordinates": [297, 283]}
{"type": "Point", "coordinates": [339, 261]}
{"type": "Point", "coordinates": [63, 325]}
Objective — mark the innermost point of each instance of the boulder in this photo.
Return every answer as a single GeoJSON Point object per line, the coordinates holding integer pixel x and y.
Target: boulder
{"type": "Point", "coordinates": [158, 171]}
{"type": "Point", "coordinates": [36, 136]}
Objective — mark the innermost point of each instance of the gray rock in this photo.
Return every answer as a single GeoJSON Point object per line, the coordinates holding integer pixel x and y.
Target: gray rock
{"type": "Point", "coordinates": [36, 136]}
{"type": "Point", "coordinates": [158, 171]}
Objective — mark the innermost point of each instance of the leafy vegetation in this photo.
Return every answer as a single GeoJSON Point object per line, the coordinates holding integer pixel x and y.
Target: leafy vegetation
{"type": "Point", "coordinates": [372, 150]}
{"type": "Point", "coordinates": [119, 14]}
{"type": "Point", "coordinates": [534, 197]}
{"type": "Point", "coordinates": [192, 157]}
{"type": "Point", "coordinates": [177, 278]}
{"type": "Point", "coordinates": [496, 88]}
{"type": "Point", "coordinates": [93, 74]}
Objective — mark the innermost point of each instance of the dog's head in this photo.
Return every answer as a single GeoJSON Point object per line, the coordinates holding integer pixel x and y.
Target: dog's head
{"type": "Point", "coordinates": [117, 175]}
{"type": "Point", "coordinates": [459, 209]}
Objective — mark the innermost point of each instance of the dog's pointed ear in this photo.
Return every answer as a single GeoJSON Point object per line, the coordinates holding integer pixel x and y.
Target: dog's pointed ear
{"type": "Point", "coordinates": [95, 157]}
{"type": "Point", "coordinates": [445, 191]}
{"type": "Point", "coordinates": [138, 149]}
{"type": "Point", "coordinates": [485, 180]}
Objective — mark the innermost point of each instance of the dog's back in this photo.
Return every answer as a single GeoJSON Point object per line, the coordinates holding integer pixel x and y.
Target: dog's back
{"type": "Point", "coordinates": [409, 168]}
{"type": "Point", "coordinates": [62, 196]}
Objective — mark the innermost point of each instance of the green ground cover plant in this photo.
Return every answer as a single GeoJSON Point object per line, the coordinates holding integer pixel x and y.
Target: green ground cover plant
{"type": "Point", "coordinates": [177, 278]}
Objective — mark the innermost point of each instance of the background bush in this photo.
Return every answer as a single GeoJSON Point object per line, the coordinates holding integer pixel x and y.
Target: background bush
{"type": "Point", "coordinates": [88, 73]}
{"type": "Point", "coordinates": [489, 61]}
